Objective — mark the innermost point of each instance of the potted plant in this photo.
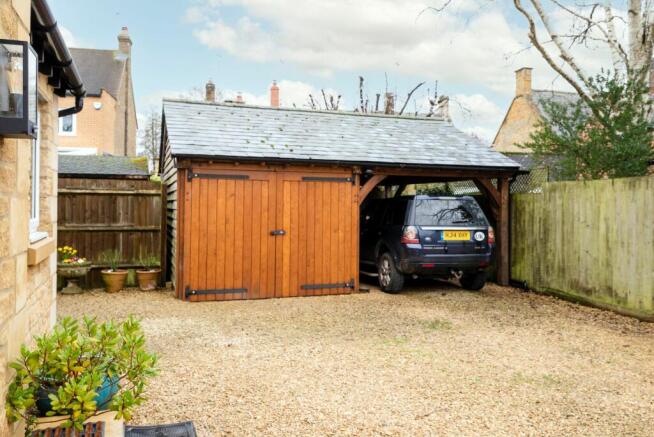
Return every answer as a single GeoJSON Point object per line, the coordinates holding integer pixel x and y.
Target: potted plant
{"type": "Point", "coordinates": [113, 277]}
{"type": "Point", "coordinates": [149, 271]}
{"type": "Point", "coordinates": [79, 370]}
{"type": "Point", "coordinates": [71, 268]}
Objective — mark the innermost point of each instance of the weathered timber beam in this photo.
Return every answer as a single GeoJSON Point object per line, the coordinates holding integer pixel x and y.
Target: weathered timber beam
{"type": "Point", "coordinates": [369, 186]}
{"type": "Point", "coordinates": [109, 192]}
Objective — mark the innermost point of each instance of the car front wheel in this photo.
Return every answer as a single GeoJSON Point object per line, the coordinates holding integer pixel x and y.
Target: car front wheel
{"type": "Point", "coordinates": [390, 279]}
{"type": "Point", "coordinates": [473, 281]}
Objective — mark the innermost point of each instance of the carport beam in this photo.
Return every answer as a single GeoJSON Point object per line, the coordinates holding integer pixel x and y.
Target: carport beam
{"type": "Point", "coordinates": [369, 186]}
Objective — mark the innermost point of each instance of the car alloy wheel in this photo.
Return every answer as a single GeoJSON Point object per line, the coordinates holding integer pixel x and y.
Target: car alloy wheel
{"type": "Point", "coordinates": [385, 272]}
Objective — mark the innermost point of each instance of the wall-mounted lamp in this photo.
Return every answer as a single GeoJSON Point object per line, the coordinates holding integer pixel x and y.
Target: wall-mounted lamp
{"type": "Point", "coordinates": [18, 89]}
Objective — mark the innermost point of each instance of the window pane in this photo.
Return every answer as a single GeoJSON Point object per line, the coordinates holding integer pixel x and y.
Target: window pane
{"type": "Point", "coordinates": [448, 212]}
{"type": "Point", "coordinates": [11, 80]}
{"type": "Point", "coordinates": [66, 125]}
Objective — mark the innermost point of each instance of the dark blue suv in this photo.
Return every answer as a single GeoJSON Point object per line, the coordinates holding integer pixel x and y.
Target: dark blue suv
{"type": "Point", "coordinates": [440, 237]}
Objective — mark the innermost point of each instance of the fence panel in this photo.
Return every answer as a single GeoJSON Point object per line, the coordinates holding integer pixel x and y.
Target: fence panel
{"type": "Point", "coordinates": [592, 241]}
{"type": "Point", "coordinates": [96, 215]}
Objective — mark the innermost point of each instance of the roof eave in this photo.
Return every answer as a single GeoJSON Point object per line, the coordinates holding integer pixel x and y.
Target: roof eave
{"type": "Point", "coordinates": [499, 169]}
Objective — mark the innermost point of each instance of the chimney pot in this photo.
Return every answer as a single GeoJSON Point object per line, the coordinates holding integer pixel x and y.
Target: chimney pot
{"type": "Point", "coordinates": [274, 95]}
{"type": "Point", "coordinates": [523, 81]}
{"type": "Point", "coordinates": [210, 92]}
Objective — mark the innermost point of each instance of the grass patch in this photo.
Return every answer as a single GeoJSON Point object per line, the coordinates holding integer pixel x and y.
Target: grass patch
{"type": "Point", "coordinates": [438, 325]}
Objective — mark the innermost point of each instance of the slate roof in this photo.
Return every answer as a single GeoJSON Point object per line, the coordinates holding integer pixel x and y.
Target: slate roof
{"type": "Point", "coordinates": [539, 97]}
{"type": "Point", "coordinates": [199, 129]}
{"type": "Point", "coordinates": [99, 69]}
{"type": "Point", "coordinates": [100, 165]}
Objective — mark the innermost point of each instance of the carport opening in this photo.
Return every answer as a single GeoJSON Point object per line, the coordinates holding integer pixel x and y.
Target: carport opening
{"type": "Point", "coordinates": [402, 186]}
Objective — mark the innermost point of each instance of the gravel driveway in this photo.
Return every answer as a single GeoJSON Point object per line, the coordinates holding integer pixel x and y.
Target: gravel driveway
{"type": "Point", "coordinates": [433, 361]}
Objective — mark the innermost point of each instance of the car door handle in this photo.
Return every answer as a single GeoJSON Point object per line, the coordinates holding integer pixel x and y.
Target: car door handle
{"type": "Point", "coordinates": [277, 232]}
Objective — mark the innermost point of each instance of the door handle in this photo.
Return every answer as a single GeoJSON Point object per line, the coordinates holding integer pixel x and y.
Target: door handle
{"type": "Point", "coordinates": [277, 232]}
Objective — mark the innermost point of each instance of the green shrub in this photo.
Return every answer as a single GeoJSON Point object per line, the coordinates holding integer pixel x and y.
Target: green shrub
{"type": "Point", "coordinates": [73, 363]}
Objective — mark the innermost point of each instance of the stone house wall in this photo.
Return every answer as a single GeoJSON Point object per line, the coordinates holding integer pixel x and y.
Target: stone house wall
{"type": "Point", "coordinates": [27, 271]}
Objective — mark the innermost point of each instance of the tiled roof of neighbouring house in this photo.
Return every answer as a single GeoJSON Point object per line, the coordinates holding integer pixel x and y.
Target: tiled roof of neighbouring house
{"type": "Point", "coordinates": [199, 129]}
{"type": "Point", "coordinates": [541, 97]}
{"type": "Point", "coordinates": [99, 69]}
{"type": "Point", "coordinates": [98, 166]}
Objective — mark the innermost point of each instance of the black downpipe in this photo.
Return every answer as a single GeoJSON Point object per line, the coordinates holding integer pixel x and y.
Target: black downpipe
{"type": "Point", "coordinates": [60, 50]}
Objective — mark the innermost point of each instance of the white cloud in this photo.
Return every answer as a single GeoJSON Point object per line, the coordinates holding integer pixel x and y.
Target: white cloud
{"type": "Point", "coordinates": [471, 42]}
{"type": "Point", "coordinates": [476, 115]}
{"type": "Point", "coordinates": [69, 38]}
{"type": "Point", "coordinates": [324, 37]}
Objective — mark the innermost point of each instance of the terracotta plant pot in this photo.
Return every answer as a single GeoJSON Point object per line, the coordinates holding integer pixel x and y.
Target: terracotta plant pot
{"type": "Point", "coordinates": [148, 279]}
{"type": "Point", "coordinates": [114, 281]}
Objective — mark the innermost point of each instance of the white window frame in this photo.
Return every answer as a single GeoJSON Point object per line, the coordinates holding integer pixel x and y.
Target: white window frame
{"type": "Point", "coordinates": [73, 133]}
{"type": "Point", "coordinates": [35, 235]}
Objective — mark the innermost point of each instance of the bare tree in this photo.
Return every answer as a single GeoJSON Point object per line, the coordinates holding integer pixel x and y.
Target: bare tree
{"type": "Point", "coordinates": [594, 21]}
{"type": "Point", "coordinates": [408, 97]}
{"type": "Point", "coordinates": [151, 136]}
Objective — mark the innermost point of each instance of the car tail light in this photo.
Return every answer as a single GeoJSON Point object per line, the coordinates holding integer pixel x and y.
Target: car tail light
{"type": "Point", "coordinates": [491, 235]}
{"type": "Point", "coordinates": [410, 235]}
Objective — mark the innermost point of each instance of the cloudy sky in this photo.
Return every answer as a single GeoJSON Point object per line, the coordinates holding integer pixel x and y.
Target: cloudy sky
{"type": "Point", "coordinates": [472, 49]}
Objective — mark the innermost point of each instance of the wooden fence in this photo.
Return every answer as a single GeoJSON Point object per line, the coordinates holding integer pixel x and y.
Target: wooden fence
{"type": "Point", "coordinates": [97, 215]}
{"type": "Point", "coordinates": [590, 241]}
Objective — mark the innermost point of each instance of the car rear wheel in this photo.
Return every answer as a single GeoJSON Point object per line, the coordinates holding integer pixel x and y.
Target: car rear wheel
{"type": "Point", "coordinates": [473, 281]}
{"type": "Point", "coordinates": [390, 279]}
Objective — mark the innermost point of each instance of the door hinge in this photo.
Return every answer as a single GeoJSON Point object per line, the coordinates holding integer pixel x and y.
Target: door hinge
{"type": "Point", "coordinates": [325, 179]}
{"type": "Point", "coordinates": [190, 175]}
{"type": "Point", "coordinates": [349, 284]}
{"type": "Point", "coordinates": [191, 292]}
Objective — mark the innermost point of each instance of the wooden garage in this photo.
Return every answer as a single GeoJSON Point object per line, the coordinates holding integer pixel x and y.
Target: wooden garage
{"type": "Point", "coordinates": [264, 202]}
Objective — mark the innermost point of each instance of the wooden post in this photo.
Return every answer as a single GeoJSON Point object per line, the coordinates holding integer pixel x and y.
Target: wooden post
{"type": "Point", "coordinates": [503, 248]}
{"type": "Point", "coordinates": [163, 237]}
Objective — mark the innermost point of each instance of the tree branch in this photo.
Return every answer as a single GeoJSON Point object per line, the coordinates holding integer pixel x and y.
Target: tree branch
{"type": "Point", "coordinates": [563, 51]}
{"type": "Point", "coordinates": [408, 97]}
{"type": "Point", "coordinates": [533, 37]}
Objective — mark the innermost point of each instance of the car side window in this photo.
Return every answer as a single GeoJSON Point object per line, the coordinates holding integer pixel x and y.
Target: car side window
{"type": "Point", "coordinates": [395, 213]}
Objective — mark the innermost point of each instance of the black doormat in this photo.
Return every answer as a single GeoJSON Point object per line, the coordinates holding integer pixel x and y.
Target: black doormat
{"type": "Point", "coordinates": [183, 429]}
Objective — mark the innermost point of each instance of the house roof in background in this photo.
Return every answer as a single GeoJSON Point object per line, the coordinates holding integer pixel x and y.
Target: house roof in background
{"type": "Point", "coordinates": [199, 129]}
{"type": "Point", "coordinates": [99, 69]}
{"type": "Point", "coordinates": [102, 166]}
{"type": "Point", "coordinates": [540, 97]}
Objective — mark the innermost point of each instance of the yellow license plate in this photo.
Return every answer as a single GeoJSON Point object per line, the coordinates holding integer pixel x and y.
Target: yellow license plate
{"type": "Point", "coordinates": [456, 235]}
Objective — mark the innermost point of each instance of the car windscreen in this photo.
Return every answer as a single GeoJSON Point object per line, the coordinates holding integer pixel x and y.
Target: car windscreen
{"type": "Point", "coordinates": [448, 212]}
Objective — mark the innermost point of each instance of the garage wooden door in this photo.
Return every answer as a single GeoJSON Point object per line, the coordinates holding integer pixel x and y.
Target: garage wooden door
{"type": "Point", "coordinates": [263, 234]}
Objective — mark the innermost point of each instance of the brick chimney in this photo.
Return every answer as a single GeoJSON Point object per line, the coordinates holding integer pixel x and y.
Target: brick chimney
{"type": "Point", "coordinates": [210, 92]}
{"type": "Point", "coordinates": [239, 98]}
{"type": "Point", "coordinates": [523, 81]}
{"type": "Point", "coordinates": [125, 42]}
{"type": "Point", "coordinates": [274, 95]}
{"type": "Point", "coordinates": [389, 103]}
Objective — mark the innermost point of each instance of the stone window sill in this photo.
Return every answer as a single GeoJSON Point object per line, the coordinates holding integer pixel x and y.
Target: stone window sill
{"type": "Point", "coordinates": [40, 250]}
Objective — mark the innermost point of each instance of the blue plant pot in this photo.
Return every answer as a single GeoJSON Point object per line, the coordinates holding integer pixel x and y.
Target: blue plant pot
{"type": "Point", "coordinates": [106, 392]}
